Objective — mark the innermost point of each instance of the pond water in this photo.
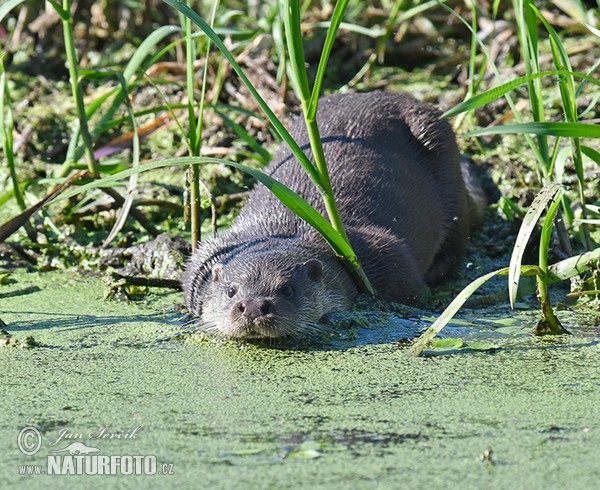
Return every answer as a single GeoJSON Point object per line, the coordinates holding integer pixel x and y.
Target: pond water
{"type": "Point", "coordinates": [355, 412]}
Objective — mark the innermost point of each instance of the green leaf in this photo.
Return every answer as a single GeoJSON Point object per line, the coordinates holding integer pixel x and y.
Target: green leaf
{"type": "Point", "coordinates": [589, 27]}
{"type": "Point", "coordinates": [572, 266]}
{"type": "Point", "coordinates": [546, 234]}
{"type": "Point", "coordinates": [447, 343]}
{"type": "Point", "coordinates": [373, 32]}
{"type": "Point", "coordinates": [290, 13]}
{"type": "Point", "coordinates": [561, 62]}
{"type": "Point", "coordinates": [288, 197]}
{"type": "Point", "coordinates": [304, 210]}
{"type": "Point", "coordinates": [279, 127]}
{"type": "Point", "coordinates": [336, 20]}
{"type": "Point", "coordinates": [5, 8]}
{"type": "Point", "coordinates": [568, 129]}
{"type": "Point", "coordinates": [591, 153]}
{"type": "Point", "coordinates": [483, 346]}
{"type": "Point", "coordinates": [419, 345]}
{"type": "Point", "coordinates": [304, 454]}
{"type": "Point", "coordinates": [548, 193]}
{"type": "Point", "coordinates": [146, 49]}
{"type": "Point", "coordinates": [492, 94]}
{"type": "Point", "coordinates": [261, 153]}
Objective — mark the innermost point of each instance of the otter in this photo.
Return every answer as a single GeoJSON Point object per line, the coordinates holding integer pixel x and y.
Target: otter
{"type": "Point", "coordinates": [395, 171]}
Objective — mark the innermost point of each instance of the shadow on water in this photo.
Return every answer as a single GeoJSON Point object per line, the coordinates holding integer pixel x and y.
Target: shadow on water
{"type": "Point", "coordinates": [71, 321]}
{"type": "Point", "coordinates": [53, 330]}
{"type": "Point", "coordinates": [20, 292]}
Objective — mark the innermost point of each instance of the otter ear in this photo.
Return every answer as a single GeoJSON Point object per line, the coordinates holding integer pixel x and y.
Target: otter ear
{"type": "Point", "coordinates": [217, 270]}
{"type": "Point", "coordinates": [314, 269]}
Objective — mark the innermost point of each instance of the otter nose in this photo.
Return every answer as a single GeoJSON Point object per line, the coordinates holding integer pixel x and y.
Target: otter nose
{"type": "Point", "coordinates": [254, 308]}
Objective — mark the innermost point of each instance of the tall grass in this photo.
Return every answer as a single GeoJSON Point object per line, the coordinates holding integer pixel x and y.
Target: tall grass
{"type": "Point", "coordinates": [545, 138]}
{"type": "Point", "coordinates": [332, 229]}
{"type": "Point", "coordinates": [194, 139]}
{"type": "Point", "coordinates": [6, 136]}
{"type": "Point", "coordinates": [546, 147]}
{"type": "Point", "coordinates": [104, 108]}
{"type": "Point", "coordinates": [546, 152]}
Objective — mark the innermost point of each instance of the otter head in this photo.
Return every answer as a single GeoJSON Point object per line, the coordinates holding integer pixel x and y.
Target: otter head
{"type": "Point", "coordinates": [260, 293]}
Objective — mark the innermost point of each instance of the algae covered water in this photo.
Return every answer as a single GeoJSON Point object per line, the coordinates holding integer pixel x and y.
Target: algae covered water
{"type": "Point", "coordinates": [356, 412]}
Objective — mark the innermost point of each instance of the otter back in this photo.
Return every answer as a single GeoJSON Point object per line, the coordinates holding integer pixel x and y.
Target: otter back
{"type": "Point", "coordinates": [395, 172]}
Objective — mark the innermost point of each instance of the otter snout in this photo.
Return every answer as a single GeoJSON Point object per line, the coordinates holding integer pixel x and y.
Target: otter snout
{"type": "Point", "coordinates": [254, 308]}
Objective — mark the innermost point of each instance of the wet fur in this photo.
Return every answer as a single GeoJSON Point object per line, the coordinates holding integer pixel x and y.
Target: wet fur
{"type": "Point", "coordinates": [395, 171]}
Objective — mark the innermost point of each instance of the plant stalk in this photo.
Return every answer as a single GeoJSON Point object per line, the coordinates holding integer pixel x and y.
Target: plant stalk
{"type": "Point", "coordinates": [326, 190]}
{"type": "Point", "coordinates": [193, 143]}
{"type": "Point", "coordinates": [73, 63]}
{"type": "Point", "coordinates": [291, 13]}
{"type": "Point", "coordinates": [548, 324]}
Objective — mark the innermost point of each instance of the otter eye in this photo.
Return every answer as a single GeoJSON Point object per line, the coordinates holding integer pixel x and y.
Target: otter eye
{"type": "Point", "coordinates": [287, 290]}
{"type": "Point", "coordinates": [231, 292]}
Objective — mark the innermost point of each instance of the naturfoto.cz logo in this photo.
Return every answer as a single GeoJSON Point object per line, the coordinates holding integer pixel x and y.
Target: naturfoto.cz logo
{"type": "Point", "coordinates": [78, 458]}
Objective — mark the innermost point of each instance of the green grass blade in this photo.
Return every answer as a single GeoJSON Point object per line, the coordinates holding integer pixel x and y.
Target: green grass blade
{"type": "Point", "coordinates": [76, 89]}
{"type": "Point", "coordinates": [96, 103]}
{"type": "Point", "coordinates": [373, 32]}
{"type": "Point", "coordinates": [592, 29]}
{"type": "Point", "coordinates": [546, 234]}
{"type": "Point", "coordinates": [147, 49]}
{"type": "Point", "coordinates": [547, 194]}
{"type": "Point", "coordinates": [279, 127]}
{"type": "Point", "coordinates": [290, 13]}
{"type": "Point", "coordinates": [133, 179]}
{"type": "Point", "coordinates": [565, 269]}
{"type": "Point", "coordinates": [568, 129]}
{"type": "Point", "coordinates": [262, 154]}
{"type": "Point", "coordinates": [491, 63]}
{"type": "Point", "coordinates": [492, 94]}
{"type": "Point", "coordinates": [566, 86]}
{"type": "Point", "coordinates": [336, 19]}
{"type": "Point", "coordinates": [416, 10]}
{"type": "Point", "coordinates": [536, 92]}
{"type": "Point", "coordinates": [5, 8]}
{"type": "Point", "coordinates": [561, 62]}
{"type": "Point", "coordinates": [6, 134]}
{"type": "Point", "coordinates": [305, 211]}
{"type": "Point", "coordinates": [436, 327]}
{"type": "Point", "coordinates": [193, 144]}
{"type": "Point", "coordinates": [289, 198]}
{"type": "Point", "coordinates": [421, 343]}
{"type": "Point", "coordinates": [591, 153]}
